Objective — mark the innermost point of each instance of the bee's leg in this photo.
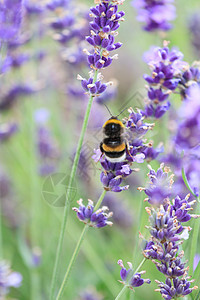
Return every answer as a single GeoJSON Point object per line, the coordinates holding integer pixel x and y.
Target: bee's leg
{"type": "Point", "coordinates": [101, 148]}
{"type": "Point", "coordinates": [102, 151]}
{"type": "Point", "coordinates": [128, 148]}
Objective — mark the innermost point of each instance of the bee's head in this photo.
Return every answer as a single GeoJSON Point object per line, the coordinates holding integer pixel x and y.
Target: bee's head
{"type": "Point", "coordinates": [113, 127]}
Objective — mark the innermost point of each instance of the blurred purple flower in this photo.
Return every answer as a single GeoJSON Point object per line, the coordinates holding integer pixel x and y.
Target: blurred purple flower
{"type": "Point", "coordinates": [8, 279]}
{"type": "Point", "coordinates": [14, 61]}
{"type": "Point", "coordinates": [48, 150]}
{"type": "Point", "coordinates": [196, 261]}
{"type": "Point", "coordinates": [160, 186]}
{"type": "Point", "coordinates": [166, 70]}
{"type": "Point", "coordinates": [194, 28]}
{"type": "Point", "coordinates": [90, 294]}
{"type": "Point", "coordinates": [7, 130]}
{"type": "Point", "coordinates": [10, 19]}
{"type": "Point", "coordinates": [155, 15]}
{"type": "Point", "coordinates": [122, 216]}
{"type": "Point", "coordinates": [33, 8]}
{"type": "Point", "coordinates": [8, 99]}
{"type": "Point", "coordinates": [190, 79]}
{"type": "Point", "coordinates": [55, 4]}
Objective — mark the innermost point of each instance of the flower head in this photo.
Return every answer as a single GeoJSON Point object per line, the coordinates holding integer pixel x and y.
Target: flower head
{"type": "Point", "coordinates": [87, 215]}
{"type": "Point", "coordinates": [129, 278]}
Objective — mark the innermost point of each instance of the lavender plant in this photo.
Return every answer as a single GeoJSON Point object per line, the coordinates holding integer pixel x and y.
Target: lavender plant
{"type": "Point", "coordinates": [26, 219]}
{"type": "Point", "coordinates": [103, 30]}
{"type": "Point", "coordinates": [167, 234]}
{"type": "Point", "coordinates": [167, 230]}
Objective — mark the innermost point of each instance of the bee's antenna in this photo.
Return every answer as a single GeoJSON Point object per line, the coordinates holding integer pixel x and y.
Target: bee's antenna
{"type": "Point", "coordinates": [122, 111]}
{"type": "Point", "coordinates": [108, 110]}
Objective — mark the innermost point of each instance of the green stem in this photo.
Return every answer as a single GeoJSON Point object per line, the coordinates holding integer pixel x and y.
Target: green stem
{"type": "Point", "coordinates": [195, 233]}
{"type": "Point", "coordinates": [140, 223]}
{"type": "Point", "coordinates": [1, 238]}
{"type": "Point", "coordinates": [77, 249]}
{"type": "Point", "coordinates": [67, 203]}
{"type": "Point", "coordinates": [127, 285]}
{"type": "Point", "coordinates": [194, 242]}
{"type": "Point", "coordinates": [74, 256]}
{"type": "Point", "coordinates": [187, 184]}
{"type": "Point", "coordinates": [100, 200]}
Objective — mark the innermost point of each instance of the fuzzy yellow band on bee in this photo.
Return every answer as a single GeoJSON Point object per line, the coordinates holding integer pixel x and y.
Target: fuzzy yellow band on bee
{"type": "Point", "coordinates": [115, 149]}
{"type": "Point", "coordinates": [115, 121]}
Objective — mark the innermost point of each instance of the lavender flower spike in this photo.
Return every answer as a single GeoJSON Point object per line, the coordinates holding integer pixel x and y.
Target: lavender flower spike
{"type": "Point", "coordinates": [104, 25]}
{"type": "Point", "coordinates": [166, 68]}
{"type": "Point", "coordinates": [87, 215]}
{"type": "Point", "coordinates": [167, 234]}
{"type": "Point", "coordinates": [130, 280]}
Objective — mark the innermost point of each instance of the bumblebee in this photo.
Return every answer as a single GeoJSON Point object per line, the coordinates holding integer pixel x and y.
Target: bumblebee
{"type": "Point", "coordinates": [114, 144]}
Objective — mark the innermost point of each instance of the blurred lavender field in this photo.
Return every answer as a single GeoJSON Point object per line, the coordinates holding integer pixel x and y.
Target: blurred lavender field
{"type": "Point", "coordinates": [43, 48]}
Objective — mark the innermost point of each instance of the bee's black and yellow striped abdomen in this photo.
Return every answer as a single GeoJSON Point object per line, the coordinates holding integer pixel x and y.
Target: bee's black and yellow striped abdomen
{"type": "Point", "coordinates": [113, 145]}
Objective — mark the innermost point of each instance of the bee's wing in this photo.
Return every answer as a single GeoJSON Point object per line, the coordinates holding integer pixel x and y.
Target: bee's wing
{"type": "Point", "coordinates": [92, 141]}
